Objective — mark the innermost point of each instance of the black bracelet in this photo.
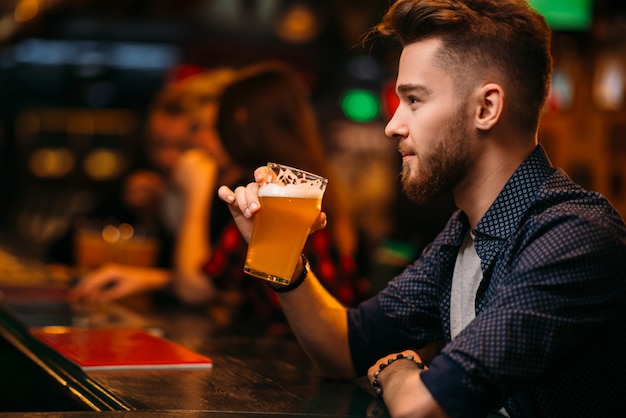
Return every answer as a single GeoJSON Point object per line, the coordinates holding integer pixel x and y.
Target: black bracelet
{"type": "Point", "coordinates": [281, 288]}
{"type": "Point", "coordinates": [376, 384]}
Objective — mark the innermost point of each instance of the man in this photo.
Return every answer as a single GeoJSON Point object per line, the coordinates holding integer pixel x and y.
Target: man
{"type": "Point", "coordinates": [525, 285]}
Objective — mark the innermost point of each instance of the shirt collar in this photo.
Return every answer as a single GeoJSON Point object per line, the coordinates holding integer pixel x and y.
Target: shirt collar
{"type": "Point", "coordinates": [503, 216]}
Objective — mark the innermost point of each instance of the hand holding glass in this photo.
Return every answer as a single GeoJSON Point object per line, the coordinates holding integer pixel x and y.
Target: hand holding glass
{"type": "Point", "coordinates": [291, 200]}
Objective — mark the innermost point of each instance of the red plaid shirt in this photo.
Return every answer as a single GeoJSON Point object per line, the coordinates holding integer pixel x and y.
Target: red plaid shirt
{"type": "Point", "coordinates": [225, 269]}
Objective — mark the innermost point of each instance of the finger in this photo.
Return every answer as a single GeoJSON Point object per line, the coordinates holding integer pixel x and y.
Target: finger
{"type": "Point", "coordinates": [246, 199]}
{"type": "Point", "coordinates": [240, 201]}
{"type": "Point", "coordinates": [320, 222]}
{"type": "Point", "coordinates": [92, 284]}
{"type": "Point", "coordinates": [260, 174]}
{"type": "Point", "coordinates": [80, 290]}
{"type": "Point", "coordinates": [111, 293]}
{"type": "Point", "coordinates": [252, 199]}
{"type": "Point", "coordinates": [86, 292]}
{"type": "Point", "coordinates": [80, 294]}
{"type": "Point", "coordinates": [226, 194]}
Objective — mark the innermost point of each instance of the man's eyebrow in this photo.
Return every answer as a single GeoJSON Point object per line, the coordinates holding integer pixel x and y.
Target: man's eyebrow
{"type": "Point", "coordinates": [408, 88]}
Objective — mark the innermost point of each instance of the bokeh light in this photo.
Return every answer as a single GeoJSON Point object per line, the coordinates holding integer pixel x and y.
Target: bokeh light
{"type": "Point", "coordinates": [360, 105]}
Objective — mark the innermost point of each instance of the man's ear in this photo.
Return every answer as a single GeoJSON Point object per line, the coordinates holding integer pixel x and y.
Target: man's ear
{"type": "Point", "coordinates": [490, 100]}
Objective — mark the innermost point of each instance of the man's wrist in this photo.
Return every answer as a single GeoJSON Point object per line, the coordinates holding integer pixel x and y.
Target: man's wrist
{"type": "Point", "coordinates": [377, 385]}
{"type": "Point", "coordinates": [297, 280]}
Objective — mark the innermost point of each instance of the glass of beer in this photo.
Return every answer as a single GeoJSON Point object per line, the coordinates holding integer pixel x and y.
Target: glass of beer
{"type": "Point", "coordinates": [291, 200]}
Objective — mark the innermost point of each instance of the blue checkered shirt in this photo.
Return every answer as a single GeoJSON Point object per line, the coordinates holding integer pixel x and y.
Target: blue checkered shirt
{"type": "Point", "coordinates": [548, 339]}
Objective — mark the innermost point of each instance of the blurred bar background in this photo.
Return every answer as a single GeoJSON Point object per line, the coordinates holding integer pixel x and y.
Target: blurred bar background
{"type": "Point", "coordinates": [76, 77]}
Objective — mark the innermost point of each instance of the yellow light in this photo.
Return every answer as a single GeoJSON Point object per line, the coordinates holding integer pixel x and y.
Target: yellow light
{"type": "Point", "coordinates": [104, 164]}
{"type": "Point", "coordinates": [110, 234]}
{"type": "Point", "coordinates": [46, 162]}
{"type": "Point", "coordinates": [7, 26]}
{"type": "Point", "coordinates": [126, 231]}
{"type": "Point", "coordinates": [55, 329]}
{"type": "Point", "coordinates": [298, 25]}
{"type": "Point", "coordinates": [26, 10]}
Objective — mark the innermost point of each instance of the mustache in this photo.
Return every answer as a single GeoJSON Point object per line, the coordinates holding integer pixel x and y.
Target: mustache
{"type": "Point", "coordinates": [405, 148]}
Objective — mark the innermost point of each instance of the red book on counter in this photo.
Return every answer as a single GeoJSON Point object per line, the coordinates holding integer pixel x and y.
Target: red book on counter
{"type": "Point", "coordinates": [101, 349]}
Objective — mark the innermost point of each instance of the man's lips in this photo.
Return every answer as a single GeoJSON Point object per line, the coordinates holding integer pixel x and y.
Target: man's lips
{"type": "Point", "coordinates": [406, 154]}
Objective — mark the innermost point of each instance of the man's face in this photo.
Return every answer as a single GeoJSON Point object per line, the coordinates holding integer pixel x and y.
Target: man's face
{"type": "Point", "coordinates": [430, 124]}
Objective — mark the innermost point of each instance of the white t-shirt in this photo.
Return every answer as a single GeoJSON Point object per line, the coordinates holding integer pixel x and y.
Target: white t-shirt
{"type": "Point", "coordinates": [465, 281]}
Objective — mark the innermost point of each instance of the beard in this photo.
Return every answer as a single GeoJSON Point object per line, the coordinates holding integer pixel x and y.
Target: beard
{"type": "Point", "coordinates": [440, 169]}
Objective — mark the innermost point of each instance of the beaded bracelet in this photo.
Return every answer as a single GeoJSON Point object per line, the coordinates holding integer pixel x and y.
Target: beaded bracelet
{"type": "Point", "coordinates": [376, 384]}
{"type": "Point", "coordinates": [281, 288]}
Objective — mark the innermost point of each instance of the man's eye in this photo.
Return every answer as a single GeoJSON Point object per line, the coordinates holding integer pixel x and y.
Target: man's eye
{"type": "Point", "coordinates": [413, 100]}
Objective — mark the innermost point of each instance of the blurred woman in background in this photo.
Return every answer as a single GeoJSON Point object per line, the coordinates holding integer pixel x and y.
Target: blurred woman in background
{"type": "Point", "coordinates": [264, 114]}
{"type": "Point", "coordinates": [172, 193]}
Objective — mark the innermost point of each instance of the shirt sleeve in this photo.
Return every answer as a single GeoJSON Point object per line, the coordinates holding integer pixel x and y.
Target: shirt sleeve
{"type": "Point", "coordinates": [560, 287]}
{"type": "Point", "coordinates": [405, 315]}
{"type": "Point", "coordinates": [371, 335]}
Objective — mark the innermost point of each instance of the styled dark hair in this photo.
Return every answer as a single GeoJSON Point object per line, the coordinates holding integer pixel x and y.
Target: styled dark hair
{"type": "Point", "coordinates": [478, 36]}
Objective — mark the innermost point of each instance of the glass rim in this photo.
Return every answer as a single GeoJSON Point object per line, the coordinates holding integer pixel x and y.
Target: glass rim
{"type": "Point", "coordinates": [306, 173]}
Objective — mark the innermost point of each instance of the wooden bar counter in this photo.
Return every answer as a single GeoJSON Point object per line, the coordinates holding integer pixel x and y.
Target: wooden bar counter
{"type": "Point", "coordinates": [253, 375]}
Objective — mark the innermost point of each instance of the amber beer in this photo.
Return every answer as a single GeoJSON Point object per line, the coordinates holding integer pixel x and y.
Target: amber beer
{"type": "Point", "coordinates": [291, 200]}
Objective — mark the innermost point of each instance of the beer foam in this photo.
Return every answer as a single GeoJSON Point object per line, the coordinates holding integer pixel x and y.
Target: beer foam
{"type": "Point", "coordinates": [304, 190]}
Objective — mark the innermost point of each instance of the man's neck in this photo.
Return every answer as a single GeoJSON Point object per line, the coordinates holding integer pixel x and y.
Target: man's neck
{"type": "Point", "coordinates": [488, 176]}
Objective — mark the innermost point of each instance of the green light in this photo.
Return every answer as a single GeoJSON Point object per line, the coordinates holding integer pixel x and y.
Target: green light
{"type": "Point", "coordinates": [565, 14]}
{"type": "Point", "coordinates": [360, 105]}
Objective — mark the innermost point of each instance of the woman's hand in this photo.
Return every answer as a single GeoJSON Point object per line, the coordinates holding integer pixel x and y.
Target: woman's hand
{"type": "Point", "coordinates": [196, 172]}
{"type": "Point", "coordinates": [243, 203]}
{"type": "Point", "coordinates": [117, 281]}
